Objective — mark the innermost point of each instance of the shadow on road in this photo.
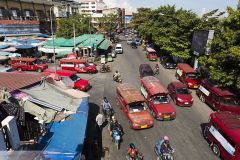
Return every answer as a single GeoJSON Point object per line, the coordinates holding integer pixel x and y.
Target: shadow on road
{"type": "Point", "coordinates": [93, 141]}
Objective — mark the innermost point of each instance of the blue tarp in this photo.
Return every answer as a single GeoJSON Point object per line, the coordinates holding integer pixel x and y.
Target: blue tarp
{"type": "Point", "coordinates": [30, 40]}
{"type": "Point", "coordinates": [64, 141]}
{"type": "Point", "coordinates": [43, 35]}
{"type": "Point", "coordinates": [4, 46]}
{"type": "Point", "coordinates": [24, 46]}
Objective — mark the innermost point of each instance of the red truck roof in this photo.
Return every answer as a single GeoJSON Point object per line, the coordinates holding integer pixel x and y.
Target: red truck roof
{"type": "Point", "coordinates": [59, 72]}
{"type": "Point", "coordinates": [23, 59]}
{"type": "Point", "coordinates": [153, 85]}
{"type": "Point", "coordinates": [229, 123]}
{"type": "Point", "coordinates": [186, 68]}
{"type": "Point", "coordinates": [223, 92]}
{"type": "Point", "coordinates": [72, 60]}
{"type": "Point", "coordinates": [129, 93]}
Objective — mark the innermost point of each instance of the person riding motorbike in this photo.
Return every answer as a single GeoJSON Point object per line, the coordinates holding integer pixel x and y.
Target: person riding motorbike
{"type": "Point", "coordinates": [115, 125]}
{"type": "Point", "coordinates": [116, 75]}
{"type": "Point", "coordinates": [132, 151]}
{"type": "Point", "coordinates": [105, 68]}
{"type": "Point", "coordinates": [165, 147]}
{"type": "Point", "coordinates": [156, 70]}
{"type": "Point", "coordinates": [106, 106]}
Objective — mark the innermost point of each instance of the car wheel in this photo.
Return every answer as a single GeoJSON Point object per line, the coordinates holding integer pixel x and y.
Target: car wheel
{"type": "Point", "coordinates": [19, 69]}
{"type": "Point", "coordinates": [89, 72]}
{"type": "Point", "coordinates": [216, 150]}
{"type": "Point", "coordinates": [39, 70]}
{"type": "Point", "coordinates": [202, 98]}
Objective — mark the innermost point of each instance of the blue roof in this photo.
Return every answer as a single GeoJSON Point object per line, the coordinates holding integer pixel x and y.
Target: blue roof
{"type": "Point", "coordinates": [26, 46]}
{"type": "Point", "coordinates": [64, 141]}
{"type": "Point", "coordinates": [4, 46]}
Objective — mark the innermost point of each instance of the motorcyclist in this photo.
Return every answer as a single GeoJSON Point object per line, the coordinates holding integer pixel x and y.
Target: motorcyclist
{"type": "Point", "coordinates": [132, 151]}
{"type": "Point", "coordinates": [106, 106]}
{"type": "Point", "coordinates": [165, 147]}
{"type": "Point", "coordinates": [116, 75]}
{"type": "Point", "coordinates": [156, 69]}
{"type": "Point", "coordinates": [115, 125]}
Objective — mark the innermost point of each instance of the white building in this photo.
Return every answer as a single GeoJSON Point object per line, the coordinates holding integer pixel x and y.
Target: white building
{"type": "Point", "coordinates": [92, 6]}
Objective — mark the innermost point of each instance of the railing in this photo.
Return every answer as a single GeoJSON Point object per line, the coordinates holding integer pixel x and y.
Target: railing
{"type": "Point", "coordinates": [24, 18]}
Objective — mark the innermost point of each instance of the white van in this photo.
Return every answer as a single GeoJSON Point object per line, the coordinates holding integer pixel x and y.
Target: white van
{"type": "Point", "coordinates": [118, 48]}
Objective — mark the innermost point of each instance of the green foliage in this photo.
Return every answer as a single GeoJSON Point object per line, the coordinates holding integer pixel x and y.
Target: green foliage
{"type": "Point", "coordinates": [168, 28]}
{"type": "Point", "coordinates": [224, 62]}
{"type": "Point", "coordinates": [108, 22]}
{"type": "Point", "coordinates": [171, 29]}
{"type": "Point", "coordinates": [82, 26]}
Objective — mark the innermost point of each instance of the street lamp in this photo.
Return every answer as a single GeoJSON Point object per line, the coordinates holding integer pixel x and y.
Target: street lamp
{"type": "Point", "coordinates": [53, 38]}
{"type": "Point", "coordinates": [54, 54]}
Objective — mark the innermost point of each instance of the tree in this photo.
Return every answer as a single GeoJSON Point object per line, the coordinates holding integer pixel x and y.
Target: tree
{"type": "Point", "coordinates": [168, 28]}
{"type": "Point", "coordinates": [82, 26]}
{"type": "Point", "coordinates": [108, 23]}
{"type": "Point", "coordinates": [224, 61]}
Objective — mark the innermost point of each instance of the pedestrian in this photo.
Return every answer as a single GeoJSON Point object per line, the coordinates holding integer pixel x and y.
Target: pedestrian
{"type": "Point", "coordinates": [99, 121]}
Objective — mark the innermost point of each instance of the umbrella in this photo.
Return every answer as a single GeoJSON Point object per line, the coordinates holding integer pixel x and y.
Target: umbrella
{"type": "Point", "coordinates": [31, 40]}
{"type": "Point", "coordinates": [4, 53]}
{"type": "Point", "coordinates": [24, 46]}
{"type": "Point", "coordinates": [14, 55]}
{"type": "Point", "coordinates": [4, 46]}
{"type": "Point", "coordinates": [10, 49]}
{"type": "Point", "coordinates": [43, 35]}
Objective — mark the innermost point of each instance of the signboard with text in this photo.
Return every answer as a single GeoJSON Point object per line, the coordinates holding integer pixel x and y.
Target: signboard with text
{"type": "Point", "coordinates": [18, 27]}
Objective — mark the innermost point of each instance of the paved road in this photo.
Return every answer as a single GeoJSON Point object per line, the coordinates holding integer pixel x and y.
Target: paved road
{"type": "Point", "coordinates": [184, 131]}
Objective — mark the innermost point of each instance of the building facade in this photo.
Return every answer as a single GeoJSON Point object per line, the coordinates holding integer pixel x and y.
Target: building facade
{"type": "Point", "coordinates": [89, 7]}
{"type": "Point", "coordinates": [23, 16]}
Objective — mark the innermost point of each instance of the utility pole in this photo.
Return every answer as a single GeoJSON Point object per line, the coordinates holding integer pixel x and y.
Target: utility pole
{"type": "Point", "coordinates": [74, 35]}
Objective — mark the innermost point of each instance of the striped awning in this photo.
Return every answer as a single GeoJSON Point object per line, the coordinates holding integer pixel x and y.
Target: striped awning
{"type": "Point", "coordinates": [45, 104]}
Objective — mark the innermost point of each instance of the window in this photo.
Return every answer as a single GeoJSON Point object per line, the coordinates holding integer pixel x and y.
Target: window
{"type": "Point", "coordinates": [136, 107]}
{"type": "Point", "coordinates": [160, 99]}
{"type": "Point", "coordinates": [27, 13]}
{"type": "Point", "coordinates": [93, 7]}
{"type": "Point", "coordinates": [14, 13]}
{"type": "Point", "coordinates": [1, 12]}
{"type": "Point", "coordinates": [182, 91]}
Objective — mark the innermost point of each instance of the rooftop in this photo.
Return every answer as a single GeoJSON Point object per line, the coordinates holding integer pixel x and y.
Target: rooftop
{"type": "Point", "coordinates": [14, 81]}
{"type": "Point", "coordinates": [129, 93]}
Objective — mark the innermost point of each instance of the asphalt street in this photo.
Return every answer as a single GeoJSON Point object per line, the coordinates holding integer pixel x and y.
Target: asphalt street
{"type": "Point", "coordinates": [184, 132]}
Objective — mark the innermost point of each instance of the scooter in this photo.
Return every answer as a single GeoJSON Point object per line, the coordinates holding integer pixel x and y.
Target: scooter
{"type": "Point", "coordinates": [105, 69]}
{"type": "Point", "coordinates": [116, 137]}
{"type": "Point", "coordinates": [163, 156]}
{"type": "Point", "coordinates": [138, 157]}
{"type": "Point", "coordinates": [156, 71]}
{"type": "Point", "coordinates": [118, 79]}
{"type": "Point", "coordinates": [108, 113]}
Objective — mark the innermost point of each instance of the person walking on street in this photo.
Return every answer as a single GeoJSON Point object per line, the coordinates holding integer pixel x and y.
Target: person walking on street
{"type": "Point", "coordinates": [99, 121]}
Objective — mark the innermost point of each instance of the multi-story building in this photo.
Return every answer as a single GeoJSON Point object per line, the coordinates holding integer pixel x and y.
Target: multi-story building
{"type": "Point", "coordinates": [24, 16]}
{"type": "Point", "coordinates": [92, 6]}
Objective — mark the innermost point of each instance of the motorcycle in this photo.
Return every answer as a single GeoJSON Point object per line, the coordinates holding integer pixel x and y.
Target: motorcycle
{"type": "Point", "coordinates": [163, 156]}
{"type": "Point", "coordinates": [156, 71]}
{"type": "Point", "coordinates": [139, 156]}
{"type": "Point", "coordinates": [116, 137]}
{"type": "Point", "coordinates": [117, 79]}
{"type": "Point", "coordinates": [105, 69]}
{"type": "Point", "coordinates": [108, 113]}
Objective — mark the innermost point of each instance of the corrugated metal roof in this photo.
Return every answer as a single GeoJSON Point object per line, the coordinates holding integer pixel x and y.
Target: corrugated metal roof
{"type": "Point", "coordinates": [14, 81]}
{"type": "Point", "coordinates": [129, 93]}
